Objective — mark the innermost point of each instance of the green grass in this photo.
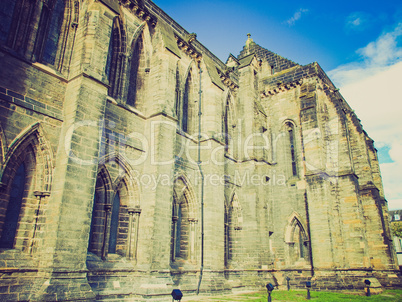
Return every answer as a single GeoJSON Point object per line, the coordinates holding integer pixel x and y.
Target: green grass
{"type": "Point", "coordinates": [389, 295]}
{"type": "Point", "coordinates": [300, 295]}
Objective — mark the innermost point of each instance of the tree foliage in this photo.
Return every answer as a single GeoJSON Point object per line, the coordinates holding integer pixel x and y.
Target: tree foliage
{"type": "Point", "coordinates": [396, 228]}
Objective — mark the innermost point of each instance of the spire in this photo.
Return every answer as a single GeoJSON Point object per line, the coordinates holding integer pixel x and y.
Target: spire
{"type": "Point", "coordinates": [249, 40]}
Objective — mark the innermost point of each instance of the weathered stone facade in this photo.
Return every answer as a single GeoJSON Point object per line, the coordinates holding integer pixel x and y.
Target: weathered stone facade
{"type": "Point", "coordinates": [109, 191]}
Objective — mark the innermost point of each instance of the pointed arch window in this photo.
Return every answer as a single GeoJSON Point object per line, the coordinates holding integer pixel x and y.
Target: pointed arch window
{"type": "Point", "coordinates": [114, 224]}
{"type": "Point", "coordinates": [177, 91]}
{"type": "Point", "coordinates": [12, 215]}
{"type": "Point", "coordinates": [110, 57]}
{"type": "Point", "coordinates": [26, 182]}
{"type": "Point", "coordinates": [115, 60]}
{"type": "Point", "coordinates": [183, 231]}
{"type": "Point", "coordinates": [180, 230]}
{"type": "Point", "coordinates": [185, 109]}
{"type": "Point", "coordinates": [298, 242]}
{"type": "Point", "coordinates": [6, 17]}
{"type": "Point", "coordinates": [188, 107]}
{"type": "Point", "coordinates": [17, 17]}
{"type": "Point", "coordinates": [233, 224]}
{"type": "Point", "coordinates": [292, 149]}
{"type": "Point", "coordinates": [138, 74]}
{"type": "Point", "coordinates": [49, 31]}
{"type": "Point", "coordinates": [34, 28]}
{"type": "Point", "coordinates": [228, 126]}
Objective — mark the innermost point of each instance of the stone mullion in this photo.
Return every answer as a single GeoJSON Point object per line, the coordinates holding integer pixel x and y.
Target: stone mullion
{"type": "Point", "coordinates": [173, 237]}
{"type": "Point", "coordinates": [129, 235]}
{"type": "Point", "coordinates": [120, 72]}
{"type": "Point", "coordinates": [108, 210]}
{"type": "Point", "coordinates": [191, 238]}
{"type": "Point", "coordinates": [134, 215]}
{"type": "Point", "coordinates": [40, 196]}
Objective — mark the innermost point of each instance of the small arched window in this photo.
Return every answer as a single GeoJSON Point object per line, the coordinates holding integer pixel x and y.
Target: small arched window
{"type": "Point", "coordinates": [13, 209]}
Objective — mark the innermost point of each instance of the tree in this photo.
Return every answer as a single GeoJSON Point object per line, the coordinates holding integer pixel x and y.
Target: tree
{"type": "Point", "coordinates": [396, 228]}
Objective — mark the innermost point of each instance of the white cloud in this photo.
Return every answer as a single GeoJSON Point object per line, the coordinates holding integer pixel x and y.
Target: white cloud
{"type": "Point", "coordinates": [296, 16]}
{"type": "Point", "coordinates": [357, 21]}
{"type": "Point", "coordinates": [372, 88]}
{"type": "Point", "coordinates": [374, 58]}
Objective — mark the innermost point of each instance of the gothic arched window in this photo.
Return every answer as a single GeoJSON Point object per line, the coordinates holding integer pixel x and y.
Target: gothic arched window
{"type": "Point", "coordinates": [49, 30]}
{"type": "Point", "coordinates": [299, 249]}
{"type": "Point", "coordinates": [292, 148]}
{"type": "Point", "coordinates": [298, 243]}
{"type": "Point", "coordinates": [184, 117]}
{"type": "Point", "coordinates": [137, 75]}
{"type": "Point", "coordinates": [115, 59]}
{"type": "Point", "coordinates": [228, 125]}
{"type": "Point", "coordinates": [233, 224]}
{"type": "Point", "coordinates": [180, 231]}
{"type": "Point", "coordinates": [6, 17]}
{"type": "Point", "coordinates": [184, 221]}
{"type": "Point", "coordinates": [26, 180]}
{"type": "Point", "coordinates": [34, 29]}
{"type": "Point", "coordinates": [114, 223]}
{"type": "Point", "coordinates": [13, 209]}
{"type": "Point", "coordinates": [177, 92]}
{"type": "Point", "coordinates": [188, 108]}
{"type": "Point", "coordinates": [16, 17]}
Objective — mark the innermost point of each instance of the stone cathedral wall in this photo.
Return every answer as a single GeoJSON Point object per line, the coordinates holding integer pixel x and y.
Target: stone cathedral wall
{"type": "Point", "coordinates": [111, 189]}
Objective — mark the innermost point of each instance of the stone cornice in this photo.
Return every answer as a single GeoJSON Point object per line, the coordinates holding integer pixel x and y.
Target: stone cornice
{"type": "Point", "coordinates": [226, 80]}
{"type": "Point", "coordinates": [140, 11]}
{"type": "Point", "coordinates": [280, 88]}
{"type": "Point", "coordinates": [187, 48]}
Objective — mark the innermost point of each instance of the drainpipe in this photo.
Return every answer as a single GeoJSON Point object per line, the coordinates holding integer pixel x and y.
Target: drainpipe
{"type": "Point", "coordinates": [202, 184]}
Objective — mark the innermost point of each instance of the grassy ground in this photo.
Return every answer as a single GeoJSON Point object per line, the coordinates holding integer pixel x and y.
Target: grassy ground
{"type": "Point", "coordinates": [300, 295]}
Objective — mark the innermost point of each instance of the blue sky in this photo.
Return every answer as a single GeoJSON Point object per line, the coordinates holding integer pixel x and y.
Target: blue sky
{"type": "Point", "coordinates": [358, 43]}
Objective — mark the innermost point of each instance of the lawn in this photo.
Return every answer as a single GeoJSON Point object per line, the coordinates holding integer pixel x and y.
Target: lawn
{"type": "Point", "coordinates": [389, 295]}
{"type": "Point", "coordinates": [300, 295]}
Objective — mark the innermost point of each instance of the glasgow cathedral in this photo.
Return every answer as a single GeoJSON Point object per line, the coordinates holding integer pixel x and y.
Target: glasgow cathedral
{"type": "Point", "coordinates": [133, 162]}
